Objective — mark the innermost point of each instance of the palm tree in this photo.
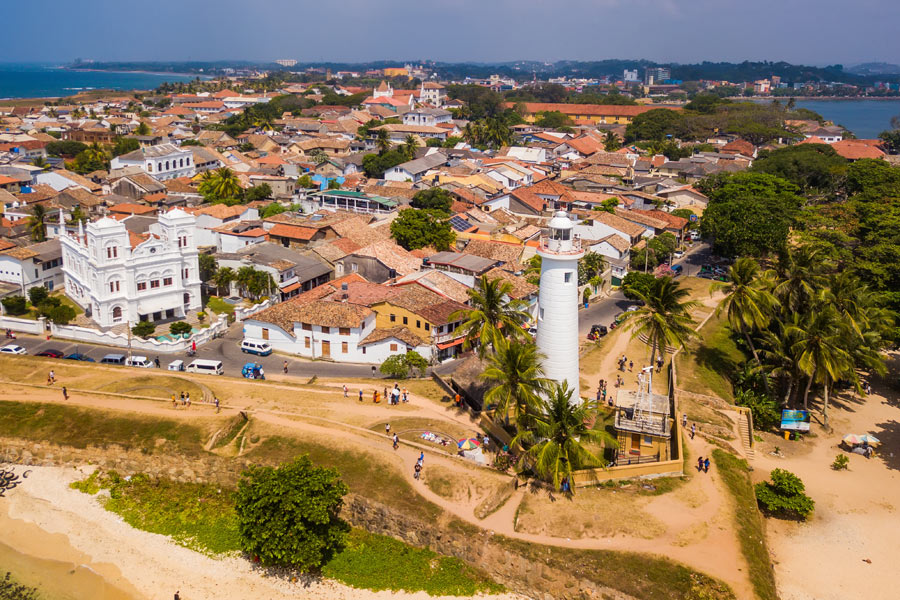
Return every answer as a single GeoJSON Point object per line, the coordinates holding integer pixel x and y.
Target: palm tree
{"type": "Point", "coordinates": [409, 146]}
{"type": "Point", "coordinates": [819, 352]}
{"type": "Point", "coordinates": [797, 278]}
{"type": "Point", "coordinates": [95, 153]}
{"type": "Point", "coordinates": [223, 278]}
{"type": "Point", "coordinates": [747, 303]}
{"type": "Point", "coordinates": [515, 370]}
{"type": "Point", "coordinates": [611, 142]}
{"type": "Point", "coordinates": [493, 315]}
{"type": "Point", "coordinates": [382, 141]}
{"type": "Point", "coordinates": [36, 224]}
{"type": "Point", "coordinates": [665, 317]}
{"type": "Point", "coordinates": [558, 435]}
{"type": "Point", "coordinates": [223, 183]}
{"type": "Point", "coordinates": [778, 357]}
{"type": "Point", "coordinates": [244, 278]}
{"type": "Point", "coordinates": [41, 162]}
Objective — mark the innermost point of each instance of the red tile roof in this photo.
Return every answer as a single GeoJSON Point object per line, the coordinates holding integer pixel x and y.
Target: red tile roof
{"type": "Point", "coordinates": [295, 232]}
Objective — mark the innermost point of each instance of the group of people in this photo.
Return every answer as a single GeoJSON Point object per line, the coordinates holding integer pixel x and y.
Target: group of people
{"type": "Point", "coordinates": [420, 464]}
{"type": "Point", "coordinates": [601, 392]}
{"type": "Point", "coordinates": [395, 396]}
{"type": "Point", "coordinates": [185, 400]}
{"type": "Point", "coordinates": [703, 464]}
{"type": "Point", "coordinates": [623, 362]}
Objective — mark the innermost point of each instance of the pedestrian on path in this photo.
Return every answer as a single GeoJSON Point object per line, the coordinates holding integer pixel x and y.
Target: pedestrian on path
{"type": "Point", "coordinates": [418, 470]}
{"type": "Point", "coordinates": [217, 404]}
{"type": "Point", "coordinates": [458, 400]}
{"type": "Point", "coordinates": [345, 390]}
{"type": "Point", "coordinates": [156, 362]}
{"type": "Point", "coordinates": [700, 463]}
{"type": "Point", "coordinates": [360, 395]}
{"type": "Point", "coordinates": [182, 398]}
{"type": "Point", "coordinates": [684, 419]}
{"type": "Point", "coordinates": [706, 465]}
{"type": "Point", "coordinates": [396, 442]}
{"type": "Point", "coordinates": [631, 365]}
{"type": "Point", "coordinates": [693, 430]}
{"type": "Point", "coordinates": [285, 367]}
{"type": "Point", "coordinates": [375, 398]}
{"type": "Point", "coordinates": [65, 393]}
{"type": "Point", "coordinates": [187, 399]}
{"type": "Point", "coordinates": [422, 458]}
{"type": "Point", "coordinates": [405, 395]}
{"type": "Point", "coordinates": [387, 429]}
{"type": "Point", "coordinates": [659, 364]}
{"type": "Point", "coordinates": [174, 402]}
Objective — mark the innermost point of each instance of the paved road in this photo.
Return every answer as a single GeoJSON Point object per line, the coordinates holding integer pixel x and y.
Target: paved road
{"type": "Point", "coordinates": [227, 348]}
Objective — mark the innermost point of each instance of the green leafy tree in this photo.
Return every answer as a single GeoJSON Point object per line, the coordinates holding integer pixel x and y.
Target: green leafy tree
{"type": "Point", "coordinates": [517, 380]}
{"type": "Point", "coordinates": [552, 119]}
{"type": "Point", "coordinates": [636, 282]}
{"type": "Point", "coordinates": [223, 278]}
{"type": "Point", "coordinates": [813, 168]}
{"type": "Point", "coordinates": [433, 199]}
{"type": "Point", "coordinates": [558, 436]}
{"type": "Point", "coordinates": [15, 305]}
{"type": "Point", "coordinates": [333, 184]}
{"type": "Point", "coordinates": [289, 515]}
{"type": "Point", "coordinates": [415, 228]}
{"type": "Point", "coordinates": [180, 328]}
{"type": "Point", "coordinates": [374, 165]}
{"type": "Point", "coordinates": [272, 209]}
{"type": "Point", "coordinates": [207, 265]}
{"type": "Point", "coordinates": [144, 329]}
{"type": "Point", "coordinates": [220, 184]}
{"type": "Point", "coordinates": [766, 415]}
{"type": "Point", "coordinates": [258, 192]}
{"type": "Point", "coordinates": [305, 182]}
{"type": "Point", "coordinates": [656, 125]}
{"type": "Point", "coordinates": [784, 496]}
{"type": "Point", "coordinates": [11, 590]}
{"type": "Point", "coordinates": [41, 163]}
{"type": "Point", "coordinates": [65, 149]}
{"type": "Point", "coordinates": [399, 366]}
{"type": "Point", "coordinates": [125, 145]}
{"type": "Point", "coordinates": [382, 141]}
{"type": "Point", "coordinates": [38, 294]}
{"type": "Point", "coordinates": [748, 303]}
{"type": "Point", "coordinates": [77, 216]}
{"type": "Point", "coordinates": [493, 315]}
{"type": "Point", "coordinates": [142, 129]}
{"type": "Point", "coordinates": [644, 258]}
{"type": "Point", "coordinates": [665, 317]}
{"type": "Point", "coordinates": [611, 142]}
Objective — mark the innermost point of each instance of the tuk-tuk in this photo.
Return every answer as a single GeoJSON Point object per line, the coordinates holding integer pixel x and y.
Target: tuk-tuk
{"type": "Point", "coordinates": [597, 331]}
{"type": "Point", "coordinates": [253, 371]}
{"type": "Point", "coordinates": [176, 365]}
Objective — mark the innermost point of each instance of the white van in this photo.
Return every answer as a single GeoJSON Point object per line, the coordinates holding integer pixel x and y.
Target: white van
{"type": "Point", "coordinates": [176, 365]}
{"type": "Point", "coordinates": [140, 361]}
{"type": "Point", "coordinates": [258, 348]}
{"type": "Point", "coordinates": [210, 367]}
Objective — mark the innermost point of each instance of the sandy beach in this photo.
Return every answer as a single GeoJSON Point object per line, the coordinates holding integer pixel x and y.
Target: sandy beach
{"type": "Point", "coordinates": [93, 554]}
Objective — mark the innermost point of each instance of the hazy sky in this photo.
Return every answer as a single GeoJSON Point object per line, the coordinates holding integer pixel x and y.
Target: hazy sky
{"type": "Point", "coordinates": [800, 31]}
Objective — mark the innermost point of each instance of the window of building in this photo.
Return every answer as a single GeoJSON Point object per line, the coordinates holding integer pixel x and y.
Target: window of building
{"type": "Point", "coordinates": [326, 329]}
{"type": "Point", "coordinates": [393, 347]}
{"type": "Point", "coordinates": [113, 286]}
{"type": "Point", "coordinates": [363, 349]}
{"type": "Point", "coordinates": [306, 342]}
{"type": "Point", "coordinates": [306, 327]}
{"type": "Point", "coordinates": [405, 321]}
{"type": "Point", "coordinates": [427, 326]}
{"type": "Point", "coordinates": [167, 281]}
{"type": "Point", "coordinates": [112, 252]}
{"type": "Point", "coordinates": [647, 440]}
{"type": "Point", "coordinates": [344, 347]}
{"type": "Point", "coordinates": [567, 277]}
{"type": "Point", "coordinates": [141, 286]}
{"type": "Point", "coordinates": [154, 283]}
{"type": "Point", "coordinates": [149, 167]}
{"type": "Point", "coordinates": [185, 273]}
{"type": "Point", "coordinates": [117, 313]}
{"type": "Point", "coordinates": [393, 318]}
{"type": "Point", "coordinates": [541, 315]}
{"type": "Point", "coordinates": [344, 331]}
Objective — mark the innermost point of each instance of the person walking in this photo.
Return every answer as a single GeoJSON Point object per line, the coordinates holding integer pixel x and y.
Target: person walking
{"type": "Point", "coordinates": [396, 442]}
{"type": "Point", "coordinates": [630, 365]}
{"type": "Point", "coordinates": [156, 362]}
{"type": "Point", "coordinates": [405, 396]}
{"type": "Point", "coordinates": [684, 419]}
{"type": "Point", "coordinates": [181, 398]}
{"type": "Point", "coordinates": [700, 463]}
{"type": "Point", "coordinates": [65, 393]}
{"type": "Point", "coordinates": [360, 395]}
{"type": "Point", "coordinates": [706, 465]}
{"type": "Point", "coordinates": [422, 458]}
{"type": "Point", "coordinates": [217, 404]}
{"type": "Point", "coordinates": [693, 430]}
{"type": "Point", "coordinates": [345, 390]}
{"type": "Point", "coordinates": [375, 398]}
{"type": "Point", "coordinates": [174, 402]}
{"type": "Point", "coordinates": [177, 596]}
{"type": "Point", "coordinates": [285, 367]}
{"type": "Point", "coordinates": [187, 399]}
{"type": "Point", "coordinates": [659, 364]}
{"type": "Point", "coordinates": [417, 471]}
{"type": "Point", "coordinates": [458, 400]}
{"type": "Point", "coordinates": [387, 429]}
{"type": "Point", "coordinates": [386, 397]}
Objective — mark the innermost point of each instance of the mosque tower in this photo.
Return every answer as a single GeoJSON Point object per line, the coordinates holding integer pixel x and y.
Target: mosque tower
{"type": "Point", "coordinates": [557, 326]}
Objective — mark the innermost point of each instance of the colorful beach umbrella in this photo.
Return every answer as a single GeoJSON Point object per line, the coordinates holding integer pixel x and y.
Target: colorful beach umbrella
{"type": "Point", "coordinates": [852, 438]}
{"type": "Point", "coordinates": [468, 444]}
{"type": "Point", "coordinates": [869, 439]}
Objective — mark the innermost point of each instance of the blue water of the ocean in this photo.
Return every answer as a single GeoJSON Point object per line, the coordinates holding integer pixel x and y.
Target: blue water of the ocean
{"type": "Point", "coordinates": [31, 80]}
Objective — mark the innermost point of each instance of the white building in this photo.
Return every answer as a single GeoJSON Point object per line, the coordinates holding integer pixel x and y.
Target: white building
{"type": "Point", "coordinates": [557, 326]}
{"type": "Point", "coordinates": [427, 116]}
{"type": "Point", "coordinates": [31, 266]}
{"type": "Point", "coordinates": [120, 277]}
{"type": "Point", "coordinates": [164, 161]}
{"type": "Point", "coordinates": [432, 93]}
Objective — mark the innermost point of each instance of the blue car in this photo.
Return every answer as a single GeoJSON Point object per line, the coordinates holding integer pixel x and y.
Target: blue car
{"type": "Point", "coordinates": [79, 356]}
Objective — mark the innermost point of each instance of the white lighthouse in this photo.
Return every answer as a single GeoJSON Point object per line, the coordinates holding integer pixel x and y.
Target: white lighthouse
{"type": "Point", "coordinates": [557, 327]}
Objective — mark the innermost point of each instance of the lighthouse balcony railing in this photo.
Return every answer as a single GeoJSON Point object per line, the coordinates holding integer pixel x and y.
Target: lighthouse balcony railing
{"type": "Point", "coordinates": [548, 244]}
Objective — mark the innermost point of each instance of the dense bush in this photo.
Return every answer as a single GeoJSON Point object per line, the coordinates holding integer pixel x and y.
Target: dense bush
{"type": "Point", "coordinates": [143, 329]}
{"type": "Point", "coordinates": [180, 328]}
{"type": "Point", "coordinates": [15, 305]}
{"type": "Point", "coordinates": [765, 412]}
{"type": "Point", "coordinates": [784, 496]}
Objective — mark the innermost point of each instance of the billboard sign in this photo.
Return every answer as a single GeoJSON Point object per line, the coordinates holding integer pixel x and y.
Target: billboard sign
{"type": "Point", "coordinates": [795, 420]}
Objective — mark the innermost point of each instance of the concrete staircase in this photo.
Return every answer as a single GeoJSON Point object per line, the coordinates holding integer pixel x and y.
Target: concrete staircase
{"type": "Point", "coordinates": [746, 436]}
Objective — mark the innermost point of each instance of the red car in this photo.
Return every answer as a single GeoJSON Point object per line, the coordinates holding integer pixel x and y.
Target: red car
{"type": "Point", "coordinates": [50, 353]}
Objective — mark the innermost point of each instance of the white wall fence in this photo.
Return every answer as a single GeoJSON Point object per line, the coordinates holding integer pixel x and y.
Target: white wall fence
{"type": "Point", "coordinates": [22, 325]}
{"type": "Point", "coordinates": [108, 338]}
{"type": "Point", "coordinates": [241, 313]}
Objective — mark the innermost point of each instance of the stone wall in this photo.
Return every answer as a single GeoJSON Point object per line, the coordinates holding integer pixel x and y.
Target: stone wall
{"type": "Point", "coordinates": [534, 577]}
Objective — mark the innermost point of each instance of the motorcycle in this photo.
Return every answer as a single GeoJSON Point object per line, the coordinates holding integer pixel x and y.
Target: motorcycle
{"type": "Point", "coordinates": [191, 353]}
{"type": "Point", "coordinates": [10, 335]}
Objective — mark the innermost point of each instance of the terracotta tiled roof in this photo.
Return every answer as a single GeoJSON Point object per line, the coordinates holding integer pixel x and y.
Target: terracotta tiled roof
{"type": "Point", "coordinates": [856, 150]}
{"type": "Point", "coordinates": [498, 251]}
{"type": "Point", "coordinates": [130, 208]}
{"type": "Point", "coordinates": [673, 221]}
{"type": "Point", "coordinates": [605, 110]}
{"type": "Point", "coordinates": [618, 223]}
{"type": "Point", "coordinates": [399, 333]}
{"type": "Point", "coordinates": [521, 288]}
{"type": "Point", "coordinates": [308, 308]}
{"type": "Point", "coordinates": [293, 232]}
{"type": "Point", "coordinates": [220, 211]}
{"type": "Point", "coordinates": [20, 253]}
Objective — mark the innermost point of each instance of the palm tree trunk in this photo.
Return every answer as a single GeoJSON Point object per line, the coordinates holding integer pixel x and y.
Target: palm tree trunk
{"type": "Point", "coordinates": [789, 392]}
{"type": "Point", "coordinates": [825, 405]}
{"type": "Point", "coordinates": [756, 359]}
{"type": "Point", "coordinates": [806, 393]}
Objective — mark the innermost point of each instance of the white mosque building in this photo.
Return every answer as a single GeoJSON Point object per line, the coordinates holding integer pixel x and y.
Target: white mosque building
{"type": "Point", "coordinates": [557, 326]}
{"type": "Point", "coordinates": [120, 277]}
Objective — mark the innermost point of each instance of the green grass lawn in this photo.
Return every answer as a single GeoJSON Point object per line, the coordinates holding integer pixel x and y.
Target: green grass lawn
{"type": "Point", "coordinates": [81, 427]}
{"type": "Point", "coordinates": [219, 306]}
{"type": "Point", "coordinates": [711, 361]}
{"type": "Point", "coordinates": [735, 474]}
{"type": "Point", "coordinates": [203, 518]}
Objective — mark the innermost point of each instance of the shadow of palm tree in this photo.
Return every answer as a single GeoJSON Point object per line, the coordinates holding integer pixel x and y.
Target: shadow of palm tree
{"type": "Point", "coordinates": [889, 450]}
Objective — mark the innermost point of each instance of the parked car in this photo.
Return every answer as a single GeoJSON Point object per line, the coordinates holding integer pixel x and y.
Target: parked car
{"type": "Point", "coordinates": [50, 353]}
{"type": "Point", "coordinates": [677, 270]}
{"type": "Point", "coordinates": [140, 361]}
{"type": "Point", "coordinates": [113, 359]}
{"type": "Point", "coordinates": [79, 356]}
{"type": "Point", "coordinates": [632, 308]}
{"type": "Point", "coordinates": [678, 254]}
{"type": "Point", "coordinates": [176, 365]}
{"type": "Point", "coordinates": [13, 349]}
{"type": "Point", "coordinates": [258, 348]}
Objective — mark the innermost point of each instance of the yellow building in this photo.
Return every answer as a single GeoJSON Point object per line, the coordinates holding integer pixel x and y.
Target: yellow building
{"type": "Point", "coordinates": [643, 426]}
{"type": "Point", "coordinates": [586, 114]}
{"type": "Point", "coordinates": [396, 72]}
